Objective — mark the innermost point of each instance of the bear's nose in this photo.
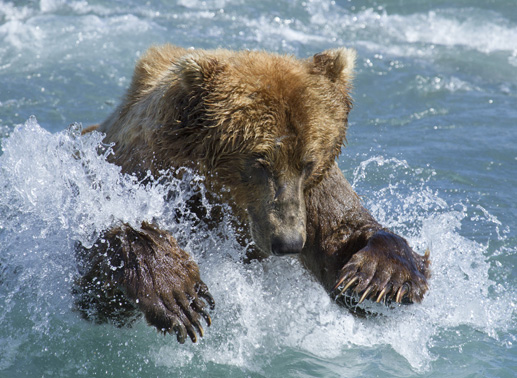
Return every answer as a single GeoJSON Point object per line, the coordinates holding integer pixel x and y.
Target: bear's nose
{"type": "Point", "coordinates": [286, 244]}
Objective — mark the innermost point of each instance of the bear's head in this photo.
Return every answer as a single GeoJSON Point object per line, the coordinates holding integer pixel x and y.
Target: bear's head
{"type": "Point", "coordinates": [267, 128]}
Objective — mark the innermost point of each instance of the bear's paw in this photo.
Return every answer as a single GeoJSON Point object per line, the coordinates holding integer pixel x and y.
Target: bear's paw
{"type": "Point", "coordinates": [163, 281]}
{"type": "Point", "coordinates": [386, 269]}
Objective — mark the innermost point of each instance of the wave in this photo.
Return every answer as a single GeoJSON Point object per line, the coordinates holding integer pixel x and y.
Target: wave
{"type": "Point", "coordinates": [313, 23]}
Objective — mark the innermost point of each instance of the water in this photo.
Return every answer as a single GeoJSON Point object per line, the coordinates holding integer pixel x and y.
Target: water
{"type": "Point", "coordinates": [432, 150]}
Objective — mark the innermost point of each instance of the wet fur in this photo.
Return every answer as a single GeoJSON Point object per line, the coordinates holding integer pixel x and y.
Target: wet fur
{"type": "Point", "coordinates": [269, 129]}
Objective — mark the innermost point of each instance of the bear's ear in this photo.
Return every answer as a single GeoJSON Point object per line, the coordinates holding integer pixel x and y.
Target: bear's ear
{"type": "Point", "coordinates": [193, 71]}
{"type": "Point", "coordinates": [336, 64]}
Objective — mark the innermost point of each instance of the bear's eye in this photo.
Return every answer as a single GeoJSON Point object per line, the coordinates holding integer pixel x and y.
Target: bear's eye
{"type": "Point", "coordinates": [308, 168]}
{"type": "Point", "coordinates": [260, 164]}
{"type": "Point", "coordinates": [257, 169]}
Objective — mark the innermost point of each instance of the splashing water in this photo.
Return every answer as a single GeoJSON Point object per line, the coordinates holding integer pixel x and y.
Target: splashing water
{"type": "Point", "coordinates": [58, 189]}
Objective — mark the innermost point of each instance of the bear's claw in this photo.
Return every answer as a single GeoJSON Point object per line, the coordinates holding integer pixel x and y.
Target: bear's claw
{"type": "Point", "coordinates": [385, 269]}
{"type": "Point", "coordinates": [178, 313]}
{"type": "Point", "coordinates": [381, 295]}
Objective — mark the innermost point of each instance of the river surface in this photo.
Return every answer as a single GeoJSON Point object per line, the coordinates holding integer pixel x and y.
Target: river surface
{"type": "Point", "coordinates": [432, 150]}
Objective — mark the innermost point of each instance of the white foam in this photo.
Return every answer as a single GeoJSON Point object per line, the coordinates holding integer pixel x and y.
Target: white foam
{"type": "Point", "coordinates": [416, 34]}
{"type": "Point", "coordinates": [269, 29]}
{"type": "Point", "coordinates": [447, 29]}
{"type": "Point", "coordinates": [49, 36]}
{"type": "Point", "coordinates": [15, 33]}
{"type": "Point", "coordinates": [12, 12]}
{"type": "Point", "coordinates": [203, 4]}
{"type": "Point", "coordinates": [461, 290]}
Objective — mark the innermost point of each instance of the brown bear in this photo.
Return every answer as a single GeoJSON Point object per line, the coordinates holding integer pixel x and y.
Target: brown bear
{"type": "Point", "coordinates": [265, 131]}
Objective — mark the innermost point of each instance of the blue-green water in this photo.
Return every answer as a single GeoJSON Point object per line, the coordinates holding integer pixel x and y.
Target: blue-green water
{"type": "Point", "coordinates": [432, 148]}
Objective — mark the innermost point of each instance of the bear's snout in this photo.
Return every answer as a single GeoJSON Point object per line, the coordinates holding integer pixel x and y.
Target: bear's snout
{"type": "Point", "coordinates": [287, 244]}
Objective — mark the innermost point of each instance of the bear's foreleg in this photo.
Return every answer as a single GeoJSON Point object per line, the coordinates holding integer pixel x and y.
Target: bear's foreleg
{"type": "Point", "coordinates": [145, 269]}
{"type": "Point", "coordinates": [348, 250]}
